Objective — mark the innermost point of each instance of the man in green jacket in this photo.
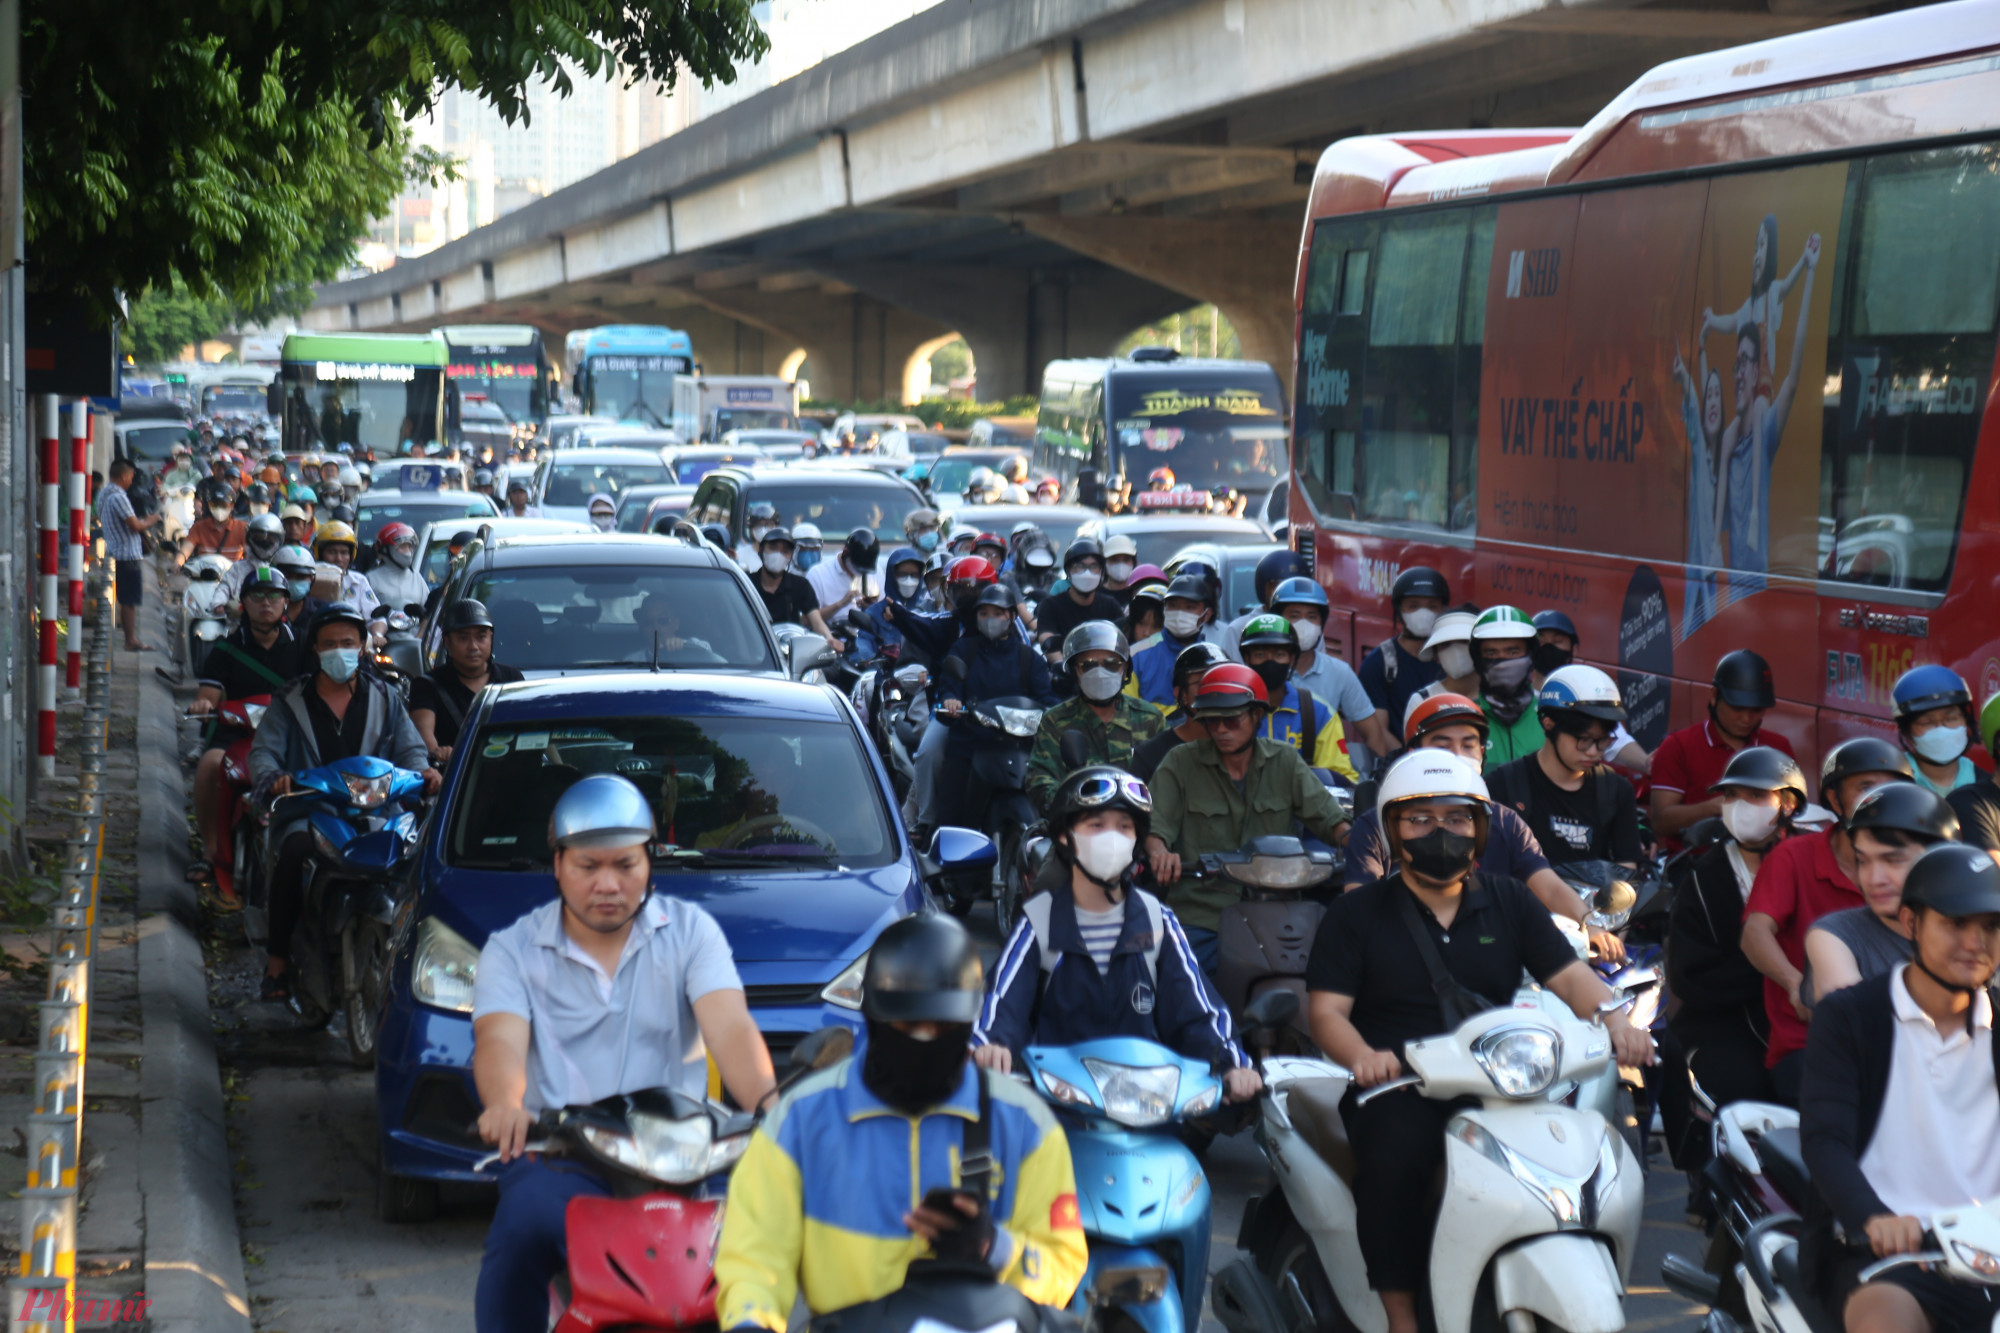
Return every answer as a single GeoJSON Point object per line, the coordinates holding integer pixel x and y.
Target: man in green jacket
{"type": "Point", "coordinates": [1214, 795]}
{"type": "Point", "coordinates": [1113, 724]}
{"type": "Point", "coordinates": [1501, 640]}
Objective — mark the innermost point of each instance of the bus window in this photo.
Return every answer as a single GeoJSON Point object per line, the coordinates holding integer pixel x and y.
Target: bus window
{"type": "Point", "coordinates": [1327, 390]}
{"type": "Point", "coordinates": [1353, 281]}
{"type": "Point", "coordinates": [1918, 346]}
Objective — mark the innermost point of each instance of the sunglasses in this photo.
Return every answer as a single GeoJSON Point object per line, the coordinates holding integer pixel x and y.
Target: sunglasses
{"type": "Point", "coordinates": [1100, 789]}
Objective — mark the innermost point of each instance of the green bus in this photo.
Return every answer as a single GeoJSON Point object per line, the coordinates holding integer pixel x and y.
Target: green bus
{"type": "Point", "coordinates": [374, 391]}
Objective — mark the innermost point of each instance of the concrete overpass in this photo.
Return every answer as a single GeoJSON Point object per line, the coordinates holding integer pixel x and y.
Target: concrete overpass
{"type": "Point", "coordinates": [1040, 176]}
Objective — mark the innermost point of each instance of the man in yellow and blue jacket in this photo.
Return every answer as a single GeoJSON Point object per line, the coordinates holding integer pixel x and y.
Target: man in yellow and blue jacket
{"type": "Point", "coordinates": [830, 1197]}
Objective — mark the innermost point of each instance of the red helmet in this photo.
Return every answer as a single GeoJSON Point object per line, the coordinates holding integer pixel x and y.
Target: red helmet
{"type": "Point", "coordinates": [1442, 710]}
{"type": "Point", "coordinates": [1160, 479]}
{"type": "Point", "coordinates": [394, 533]}
{"type": "Point", "coordinates": [989, 539]}
{"type": "Point", "coordinates": [970, 570]}
{"type": "Point", "coordinates": [1229, 688]}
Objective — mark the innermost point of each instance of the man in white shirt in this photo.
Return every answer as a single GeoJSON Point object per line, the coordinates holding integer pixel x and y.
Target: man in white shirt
{"type": "Point", "coordinates": [849, 578]}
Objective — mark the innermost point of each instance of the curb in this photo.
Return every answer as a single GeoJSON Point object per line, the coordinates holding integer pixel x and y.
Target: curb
{"type": "Point", "coordinates": [194, 1255]}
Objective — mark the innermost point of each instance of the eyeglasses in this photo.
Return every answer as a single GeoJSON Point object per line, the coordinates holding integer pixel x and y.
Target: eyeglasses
{"type": "Point", "coordinates": [1458, 821]}
{"type": "Point", "coordinates": [1592, 744]}
{"type": "Point", "coordinates": [1102, 788]}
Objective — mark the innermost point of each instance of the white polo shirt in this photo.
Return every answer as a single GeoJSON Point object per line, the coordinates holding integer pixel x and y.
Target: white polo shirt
{"type": "Point", "coordinates": [1936, 1144]}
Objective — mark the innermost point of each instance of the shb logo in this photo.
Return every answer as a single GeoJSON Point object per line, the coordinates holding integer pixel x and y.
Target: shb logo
{"type": "Point", "coordinates": [1142, 999]}
{"type": "Point", "coordinates": [1533, 272]}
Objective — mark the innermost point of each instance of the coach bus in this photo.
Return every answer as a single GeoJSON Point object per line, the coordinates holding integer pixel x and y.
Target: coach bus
{"type": "Point", "coordinates": [626, 371]}
{"type": "Point", "coordinates": [508, 364]}
{"type": "Point", "coordinates": [1711, 372]}
{"type": "Point", "coordinates": [374, 391]}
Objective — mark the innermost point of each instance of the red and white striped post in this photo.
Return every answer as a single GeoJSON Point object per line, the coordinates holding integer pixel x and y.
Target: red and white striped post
{"type": "Point", "coordinates": [79, 473]}
{"type": "Point", "coordinates": [51, 607]}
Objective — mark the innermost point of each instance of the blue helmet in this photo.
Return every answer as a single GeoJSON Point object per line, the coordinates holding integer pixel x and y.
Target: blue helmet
{"type": "Point", "coordinates": [1298, 591]}
{"type": "Point", "coordinates": [1558, 622]}
{"type": "Point", "coordinates": [1923, 688]}
{"type": "Point", "coordinates": [602, 810]}
{"type": "Point", "coordinates": [1277, 567]}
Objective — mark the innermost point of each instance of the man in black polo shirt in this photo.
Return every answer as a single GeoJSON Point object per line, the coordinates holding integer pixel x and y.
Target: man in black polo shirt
{"type": "Point", "coordinates": [1371, 991]}
{"type": "Point", "coordinates": [441, 701]}
{"type": "Point", "coordinates": [257, 657]}
{"type": "Point", "coordinates": [789, 598]}
{"type": "Point", "coordinates": [1083, 566]}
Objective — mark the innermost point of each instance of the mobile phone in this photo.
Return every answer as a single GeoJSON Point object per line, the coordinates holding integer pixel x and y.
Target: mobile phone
{"type": "Point", "coordinates": [939, 1200]}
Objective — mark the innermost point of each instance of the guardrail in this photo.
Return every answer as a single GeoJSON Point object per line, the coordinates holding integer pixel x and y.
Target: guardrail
{"type": "Point", "coordinates": [42, 1297]}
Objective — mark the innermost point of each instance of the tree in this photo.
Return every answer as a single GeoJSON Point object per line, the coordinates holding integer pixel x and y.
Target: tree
{"type": "Point", "coordinates": [167, 319]}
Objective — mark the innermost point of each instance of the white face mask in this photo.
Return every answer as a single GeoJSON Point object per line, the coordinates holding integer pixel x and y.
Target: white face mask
{"type": "Point", "coordinates": [220, 513]}
{"type": "Point", "coordinates": [1183, 624]}
{"type": "Point", "coordinates": [1105, 854]}
{"type": "Point", "coordinates": [906, 587]}
{"type": "Point", "coordinates": [1085, 580]}
{"type": "Point", "coordinates": [1941, 745]}
{"type": "Point", "coordinates": [1119, 570]}
{"type": "Point", "coordinates": [1419, 624]}
{"type": "Point", "coordinates": [1749, 824]}
{"type": "Point", "coordinates": [602, 522]}
{"type": "Point", "coordinates": [1100, 684]}
{"type": "Point", "coordinates": [757, 533]}
{"type": "Point", "coordinates": [403, 556]}
{"type": "Point", "coordinates": [1308, 633]}
{"type": "Point", "coordinates": [775, 562]}
{"type": "Point", "coordinates": [1455, 659]}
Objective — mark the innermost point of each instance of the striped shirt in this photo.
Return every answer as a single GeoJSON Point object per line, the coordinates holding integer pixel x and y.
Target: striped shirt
{"type": "Point", "coordinates": [1100, 934]}
{"type": "Point", "coordinates": [114, 506]}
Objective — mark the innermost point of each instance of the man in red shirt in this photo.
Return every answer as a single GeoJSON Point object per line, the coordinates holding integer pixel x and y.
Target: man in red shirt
{"type": "Point", "coordinates": [1802, 880]}
{"type": "Point", "coordinates": [1690, 761]}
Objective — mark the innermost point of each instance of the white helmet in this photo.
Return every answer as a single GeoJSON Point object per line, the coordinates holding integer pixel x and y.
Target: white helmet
{"type": "Point", "coordinates": [1581, 689]}
{"type": "Point", "coordinates": [1428, 775]}
{"type": "Point", "coordinates": [1451, 627]}
{"type": "Point", "coordinates": [807, 535]}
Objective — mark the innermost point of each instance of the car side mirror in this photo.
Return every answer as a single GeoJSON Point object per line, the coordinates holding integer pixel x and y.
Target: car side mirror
{"type": "Point", "coordinates": [956, 849]}
{"type": "Point", "coordinates": [807, 652]}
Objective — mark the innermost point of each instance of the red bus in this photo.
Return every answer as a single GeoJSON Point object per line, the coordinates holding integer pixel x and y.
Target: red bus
{"type": "Point", "coordinates": [1714, 371]}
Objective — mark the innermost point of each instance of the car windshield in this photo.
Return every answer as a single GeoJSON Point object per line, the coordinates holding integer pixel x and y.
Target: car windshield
{"type": "Point", "coordinates": [417, 513]}
{"type": "Point", "coordinates": [839, 510]}
{"type": "Point", "coordinates": [688, 471]}
{"type": "Point", "coordinates": [1158, 547]}
{"type": "Point", "coordinates": [155, 444]}
{"type": "Point", "coordinates": [761, 791]}
{"type": "Point", "coordinates": [569, 618]}
{"type": "Point", "coordinates": [572, 484]}
{"type": "Point", "coordinates": [753, 418]}
{"type": "Point", "coordinates": [636, 511]}
{"type": "Point", "coordinates": [951, 471]}
{"type": "Point", "coordinates": [1212, 427]}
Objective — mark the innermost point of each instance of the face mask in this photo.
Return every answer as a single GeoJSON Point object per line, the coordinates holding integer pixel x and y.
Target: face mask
{"type": "Point", "coordinates": [808, 559]}
{"type": "Point", "coordinates": [757, 533]}
{"type": "Point", "coordinates": [296, 589]}
{"type": "Point", "coordinates": [906, 587]}
{"type": "Point", "coordinates": [1419, 624]}
{"type": "Point", "coordinates": [1941, 745]}
{"type": "Point", "coordinates": [1439, 854]}
{"type": "Point", "coordinates": [925, 541]}
{"type": "Point", "coordinates": [1455, 659]}
{"type": "Point", "coordinates": [1274, 675]}
{"type": "Point", "coordinates": [340, 664]}
{"type": "Point", "coordinates": [1119, 570]}
{"type": "Point", "coordinates": [993, 627]}
{"type": "Point", "coordinates": [1086, 580]}
{"type": "Point", "coordinates": [602, 522]}
{"type": "Point", "coordinates": [910, 1075]}
{"type": "Point", "coordinates": [1505, 676]}
{"type": "Point", "coordinates": [775, 562]}
{"type": "Point", "coordinates": [1308, 633]}
{"type": "Point", "coordinates": [1104, 855]}
{"type": "Point", "coordinates": [1548, 657]}
{"type": "Point", "coordinates": [403, 556]}
{"type": "Point", "coordinates": [1101, 684]}
{"type": "Point", "coordinates": [1183, 624]}
{"type": "Point", "coordinates": [220, 513]}
{"type": "Point", "coordinates": [1749, 824]}
{"type": "Point", "coordinates": [256, 509]}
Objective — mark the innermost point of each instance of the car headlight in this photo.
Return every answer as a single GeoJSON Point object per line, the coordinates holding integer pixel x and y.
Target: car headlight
{"type": "Point", "coordinates": [1521, 1061]}
{"type": "Point", "coordinates": [673, 1152]}
{"type": "Point", "coordinates": [1063, 1090]}
{"type": "Point", "coordinates": [845, 989]}
{"type": "Point", "coordinates": [367, 793]}
{"type": "Point", "coordinates": [1134, 1095]}
{"type": "Point", "coordinates": [446, 967]}
{"type": "Point", "coordinates": [1019, 721]}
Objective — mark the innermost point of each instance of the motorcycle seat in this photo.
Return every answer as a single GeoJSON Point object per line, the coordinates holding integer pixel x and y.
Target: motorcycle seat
{"type": "Point", "coordinates": [1314, 1106]}
{"type": "Point", "coordinates": [1779, 1153]}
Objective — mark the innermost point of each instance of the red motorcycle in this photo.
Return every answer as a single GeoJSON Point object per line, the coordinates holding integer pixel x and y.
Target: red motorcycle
{"type": "Point", "coordinates": [236, 726]}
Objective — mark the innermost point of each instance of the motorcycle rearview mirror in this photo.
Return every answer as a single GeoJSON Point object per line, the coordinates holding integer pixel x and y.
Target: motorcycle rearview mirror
{"type": "Point", "coordinates": [1273, 1008]}
{"type": "Point", "coordinates": [1618, 899]}
{"type": "Point", "coordinates": [1074, 748]}
{"type": "Point", "coordinates": [827, 1046]}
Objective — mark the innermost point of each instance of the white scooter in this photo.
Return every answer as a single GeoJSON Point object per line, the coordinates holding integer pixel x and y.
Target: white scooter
{"type": "Point", "coordinates": [1962, 1245]}
{"type": "Point", "coordinates": [1542, 1201]}
{"type": "Point", "coordinates": [204, 607]}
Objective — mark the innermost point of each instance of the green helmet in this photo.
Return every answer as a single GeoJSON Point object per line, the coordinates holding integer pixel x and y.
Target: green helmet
{"type": "Point", "coordinates": [262, 579]}
{"type": "Point", "coordinates": [1989, 721]}
{"type": "Point", "coordinates": [1268, 630]}
{"type": "Point", "coordinates": [1502, 622]}
{"type": "Point", "coordinates": [300, 493]}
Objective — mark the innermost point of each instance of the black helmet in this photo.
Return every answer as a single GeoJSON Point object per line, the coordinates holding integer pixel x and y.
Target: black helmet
{"type": "Point", "coordinates": [257, 493]}
{"type": "Point", "coordinates": [1906, 808]}
{"type": "Point", "coordinates": [482, 477]}
{"type": "Point", "coordinates": [1954, 879]}
{"type": "Point", "coordinates": [777, 534]}
{"type": "Point", "coordinates": [923, 969]}
{"type": "Point", "coordinates": [1743, 680]}
{"type": "Point", "coordinates": [1083, 548]}
{"type": "Point", "coordinates": [1558, 622]}
{"type": "Point", "coordinates": [1195, 659]}
{"type": "Point", "coordinates": [993, 594]}
{"type": "Point", "coordinates": [1863, 754]}
{"type": "Point", "coordinates": [861, 548]}
{"type": "Point", "coordinates": [215, 491]}
{"type": "Point", "coordinates": [715, 535]}
{"type": "Point", "coordinates": [1418, 581]}
{"type": "Point", "coordinates": [1101, 787]}
{"type": "Point", "coordinates": [1765, 769]}
{"type": "Point", "coordinates": [466, 613]}
{"type": "Point", "coordinates": [1192, 587]}
{"type": "Point", "coordinates": [335, 613]}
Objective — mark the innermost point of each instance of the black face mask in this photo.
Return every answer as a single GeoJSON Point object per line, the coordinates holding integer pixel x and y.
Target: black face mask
{"type": "Point", "coordinates": [910, 1075]}
{"type": "Point", "coordinates": [1274, 675]}
{"type": "Point", "coordinates": [1550, 657]}
{"type": "Point", "coordinates": [1439, 854]}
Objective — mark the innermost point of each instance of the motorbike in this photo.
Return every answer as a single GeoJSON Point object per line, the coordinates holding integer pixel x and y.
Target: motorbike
{"type": "Point", "coordinates": [1541, 1205]}
{"type": "Point", "coordinates": [1962, 1245]}
{"type": "Point", "coordinates": [893, 704]}
{"type": "Point", "coordinates": [204, 608]}
{"type": "Point", "coordinates": [362, 838]}
{"type": "Point", "coordinates": [1627, 1095]}
{"type": "Point", "coordinates": [402, 649]}
{"type": "Point", "coordinates": [1263, 941]}
{"type": "Point", "coordinates": [236, 724]}
{"type": "Point", "coordinates": [1003, 730]}
{"type": "Point", "coordinates": [1756, 1172]}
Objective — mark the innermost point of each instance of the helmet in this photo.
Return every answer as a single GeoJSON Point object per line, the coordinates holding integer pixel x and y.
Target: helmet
{"type": "Point", "coordinates": [1989, 721]}
{"type": "Point", "coordinates": [295, 559]}
{"type": "Point", "coordinates": [938, 561]}
{"type": "Point", "coordinates": [1863, 754]}
{"type": "Point", "coordinates": [1923, 688]}
{"type": "Point", "coordinates": [923, 969]}
{"type": "Point", "coordinates": [761, 511]}
{"type": "Point", "coordinates": [992, 539]}
{"type": "Point", "coordinates": [1083, 548]}
{"type": "Point", "coordinates": [1451, 627]}
{"type": "Point", "coordinates": [215, 491]}
{"type": "Point", "coordinates": [1120, 545]}
{"type": "Point", "coordinates": [330, 493]}
{"type": "Point", "coordinates": [290, 512]}
{"type": "Point", "coordinates": [266, 535]}
{"type": "Point", "coordinates": [1430, 775]}
{"type": "Point", "coordinates": [1021, 530]}
{"type": "Point", "coordinates": [981, 484]}
{"type": "Point", "coordinates": [1502, 622]}
{"type": "Point", "coordinates": [1050, 487]}
{"type": "Point", "coordinates": [1443, 710]}
{"type": "Point", "coordinates": [257, 493]}
{"type": "Point", "coordinates": [1276, 568]}
{"type": "Point", "coordinates": [1143, 574]}
{"type": "Point", "coordinates": [995, 594]}
{"type": "Point", "coordinates": [262, 579]}
{"type": "Point", "coordinates": [1906, 808]}
{"type": "Point", "coordinates": [602, 810]}
{"type": "Point", "coordinates": [1299, 591]}
{"type": "Point", "coordinates": [970, 570]}
{"type": "Point", "coordinates": [1015, 469]}
{"type": "Point", "coordinates": [776, 534]}
{"type": "Point", "coordinates": [1743, 680]}
{"type": "Point", "coordinates": [1195, 659]}
{"type": "Point", "coordinates": [331, 534]}
{"type": "Point", "coordinates": [1954, 880]}
{"type": "Point", "coordinates": [1229, 688]}
{"type": "Point", "coordinates": [715, 535]}
{"type": "Point", "coordinates": [1418, 581]}
{"type": "Point", "coordinates": [1095, 636]}
{"type": "Point", "coordinates": [1194, 588]}
{"type": "Point", "coordinates": [1765, 769]}
{"type": "Point", "coordinates": [335, 613]}
{"type": "Point", "coordinates": [1160, 479]}
{"type": "Point", "coordinates": [808, 537]}
{"type": "Point", "coordinates": [517, 484]}
{"type": "Point", "coordinates": [1558, 622]}
{"type": "Point", "coordinates": [1268, 630]}
{"type": "Point", "coordinates": [300, 493]}
{"type": "Point", "coordinates": [862, 548]}
{"type": "Point", "coordinates": [394, 534]}
{"type": "Point", "coordinates": [465, 613]}
{"type": "Point", "coordinates": [919, 518]}
{"type": "Point", "coordinates": [962, 532]}
{"type": "Point", "coordinates": [1100, 787]}
{"type": "Point", "coordinates": [1581, 689]}
{"type": "Point", "coordinates": [482, 477]}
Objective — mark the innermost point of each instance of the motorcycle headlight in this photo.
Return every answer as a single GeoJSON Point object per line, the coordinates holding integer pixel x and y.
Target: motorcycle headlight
{"type": "Point", "coordinates": [1978, 1260]}
{"type": "Point", "coordinates": [845, 989]}
{"type": "Point", "coordinates": [1607, 1171]}
{"type": "Point", "coordinates": [1134, 1095]}
{"type": "Point", "coordinates": [367, 793]}
{"type": "Point", "coordinates": [1277, 872]}
{"type": "Point", "coordinates": [1203, 1101]}
{"type": "Point", "coordinates": [207, 630]}
{"type": "Point", "coordinates": [1563, 1196]}
{"type": "Point", "coordinates": [673, 1152]}
{"type": "Point", "coordinates": [1019, 721]}
{"type": "Point", "coordinates": [1521, 1061]}
{"type": "Point", "coordinates": [254, 713]}
{"type": "Point", "coordinates": [1063, 1090]}
{"type": "Point", "coordinates": [445, 969]}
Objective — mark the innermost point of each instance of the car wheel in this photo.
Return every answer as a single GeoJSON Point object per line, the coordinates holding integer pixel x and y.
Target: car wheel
{"type": "Point", "coordinates": [361, 967]}
{"type": "Point", "coordinates": [404, 1199]}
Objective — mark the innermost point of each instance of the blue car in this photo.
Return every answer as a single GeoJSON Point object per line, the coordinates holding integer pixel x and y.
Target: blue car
{"type": "Point", "coordinates": [774, 814]}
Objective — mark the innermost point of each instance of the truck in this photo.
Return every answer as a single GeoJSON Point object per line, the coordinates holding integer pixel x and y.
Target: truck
{"type": "Point", "coordinates": [707, 407]}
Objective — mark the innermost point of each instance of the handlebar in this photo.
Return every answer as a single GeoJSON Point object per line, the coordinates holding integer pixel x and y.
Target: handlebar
{"type": "Point", "coordinates": [1393, 1085]}
{"type": "Point", "coordinates": [490, 1158]}
{"type": "Point", "coordinates": [1881, 1266]}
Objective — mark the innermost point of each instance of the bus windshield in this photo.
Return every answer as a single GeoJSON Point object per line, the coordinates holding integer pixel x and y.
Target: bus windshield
{"type": "Point", "coordinates": [635, 388]}
{"type": "Point", "coordinates": [233, 398]}
{"type": "Point", "coordinates": [1212, 427]}
{"type": "Point", "coordinates": [378, 410]}
{"type": "Point", "coordinates": [512, 384]}
{"type": "Point", "coordinates": [753, 418]}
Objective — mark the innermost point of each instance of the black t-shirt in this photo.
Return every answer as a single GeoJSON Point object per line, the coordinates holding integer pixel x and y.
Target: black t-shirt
{"type": "Point", "coordinates": [1597, 822]}
{"type": "Point", "coordinates": [1146, 756]}
{"type": "Point", "coordinates": [1364, 949]}
{"type": "Point", "coordinates": [792, 602]}
{"type": "Point", "coordinates": [1060, 614]}
{"type": "Point", "coordinates": [442, 692]}
{"type": "Point", "coordinates": [338, 737]}
{"type": "Point", "coordinates": [237, 679]}
{"type": "Point", "coordinates": [1977, 805]}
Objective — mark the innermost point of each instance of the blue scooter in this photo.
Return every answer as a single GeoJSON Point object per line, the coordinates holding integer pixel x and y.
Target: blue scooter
{"type": "Point", "coordinates": [363, 836]}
